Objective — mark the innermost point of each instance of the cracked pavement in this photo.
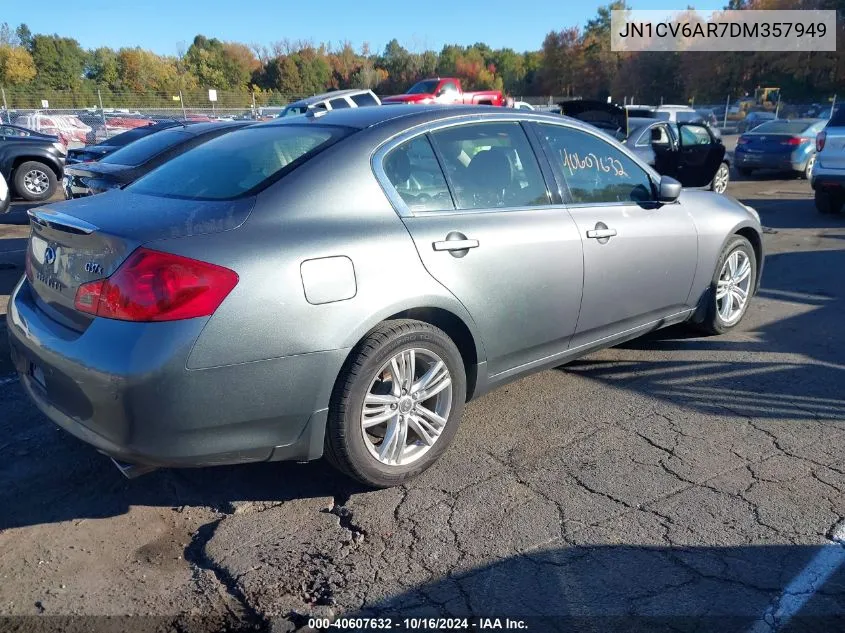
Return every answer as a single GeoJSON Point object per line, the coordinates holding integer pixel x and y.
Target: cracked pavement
{"type": "Point", "coordinates": [676, 483]}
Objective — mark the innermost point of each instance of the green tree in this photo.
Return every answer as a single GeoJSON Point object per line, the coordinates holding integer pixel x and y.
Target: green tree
{"type": "Point", "coordinates": [59, 61]}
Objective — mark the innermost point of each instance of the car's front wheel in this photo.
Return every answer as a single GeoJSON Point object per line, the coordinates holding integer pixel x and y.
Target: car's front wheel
{"type": "Point", "coordinates": [35, 181]}
{"type": "Point", "coordinates": [731, 287]}
{"type": "Point", "coordinates": [719, 184]}
{"type": "Point", "coordinates": [397, 403]}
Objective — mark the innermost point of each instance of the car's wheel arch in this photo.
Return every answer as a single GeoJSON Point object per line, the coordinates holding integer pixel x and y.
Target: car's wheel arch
{"type": "Point", "coordinates": [47, 162]}
{"type": "Point", "coordinates": [749, 232]}
{"type": "Point", "coordinates": [452, 319]}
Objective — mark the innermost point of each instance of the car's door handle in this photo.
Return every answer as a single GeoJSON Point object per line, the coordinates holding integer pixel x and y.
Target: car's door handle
{"type": "Point", "coordinates": [599, 234]}
{"type": "Point", "coordinates": [455, 245]}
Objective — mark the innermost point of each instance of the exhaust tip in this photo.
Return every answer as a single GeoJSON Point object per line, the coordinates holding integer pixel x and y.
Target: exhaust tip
{"type": "Point", "coordinates": [131, 471]}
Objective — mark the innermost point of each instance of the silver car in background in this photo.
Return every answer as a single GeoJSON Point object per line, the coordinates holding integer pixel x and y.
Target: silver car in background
{"type": "Point", "coordinates": [342, 283]}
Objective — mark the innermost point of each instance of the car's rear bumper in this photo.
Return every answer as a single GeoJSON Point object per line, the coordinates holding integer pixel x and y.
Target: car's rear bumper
{"type": "Point", "coordinates": [824, 178]}
{"type": "Point", "coordinates": [785, 162]}
{"type": "Point", "coordinates": [125, 389]}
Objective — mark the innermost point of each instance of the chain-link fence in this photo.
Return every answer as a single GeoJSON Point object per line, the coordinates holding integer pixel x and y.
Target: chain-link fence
{"type": "Point", "coordinates": [89, 116]}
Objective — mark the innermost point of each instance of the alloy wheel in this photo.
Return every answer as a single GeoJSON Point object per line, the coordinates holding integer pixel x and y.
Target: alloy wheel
{"type": "Point", "coordinates": [720, 180]}
{"type": "Point", "coordinates": [36, 181]}
{"type": "Point", "coordinates": [406, 407]}
{"type": "Point", "coordinates": [733, 287]}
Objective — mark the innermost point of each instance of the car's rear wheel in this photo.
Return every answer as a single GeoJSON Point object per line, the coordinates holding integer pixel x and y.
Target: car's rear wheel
{"type": "Point", "coordinates": [719, 184]}
{"type": "Point", "coordinates": [808, 169]}
{"type": "Point", "coordinates": [35, 181]}
{"type": "Point", "coordinates": [396, 404]}
{"type": "Point", "coordinates": [731, 287]}
{"type": "Point", "coordinates": [828, 202]}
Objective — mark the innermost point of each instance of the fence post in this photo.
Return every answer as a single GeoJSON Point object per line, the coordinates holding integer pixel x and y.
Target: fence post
{"type": "Point", "coordinates": [777, 107]}
{"type": "Point", "coordinates": [6, 107]}
{"type": "Point", "coordinates": [727, 105]}
{"type": "Point", "coordinates": [253, 104]}
{"type": "Point", "coordinates": [102, 114]}
{"type": "Point", "coordinates": [182, 101]}
{"type": "Point", "coordinates": [832, 106]}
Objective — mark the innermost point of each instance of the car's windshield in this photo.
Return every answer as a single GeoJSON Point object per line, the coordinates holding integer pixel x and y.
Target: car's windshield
{"type": "Point", "coordinates": [144, 149]}
{"type": "Point", "coordinates": [423, 87]}
{"type": "Point", "coordinates": [239, 163]}
{"type": "Point", "coordinates": [782, 127]}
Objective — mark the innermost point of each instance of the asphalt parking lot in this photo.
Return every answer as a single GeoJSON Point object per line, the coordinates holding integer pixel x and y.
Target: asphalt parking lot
{"type": "Point", "coordinates": [674, 483]}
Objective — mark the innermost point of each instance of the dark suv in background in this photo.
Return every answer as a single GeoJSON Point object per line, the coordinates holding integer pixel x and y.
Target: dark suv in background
{"type": "Point", "coordinates": [31, 163]}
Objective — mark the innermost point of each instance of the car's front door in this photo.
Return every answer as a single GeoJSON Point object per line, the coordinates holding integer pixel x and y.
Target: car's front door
{"type": "Point", "coordinates": [639, 256]}
{"type": "Point", "coordinates": [492, 236]}
{"type": "Point", "coordinates": [699, 155]}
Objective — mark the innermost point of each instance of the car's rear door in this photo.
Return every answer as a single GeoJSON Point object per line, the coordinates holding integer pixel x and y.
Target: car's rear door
{"type": "Point", "coordinates": [639, 256]}
{"type": "Point", "coordinates": [478, 207]}
{"type": "Point", "coordinates": [699, 155]}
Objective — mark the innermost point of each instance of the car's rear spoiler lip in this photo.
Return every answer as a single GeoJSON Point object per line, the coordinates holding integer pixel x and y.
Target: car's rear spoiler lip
{"type": "Point", "coordinates": [62, 221]}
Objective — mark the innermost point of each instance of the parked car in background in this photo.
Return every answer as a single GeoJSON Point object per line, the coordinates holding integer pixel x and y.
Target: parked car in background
{"type": "Point", "coordinates": [446, 91]}
{"type": "Point", "coordinates": [522, 105]}
{"type": "Point", "coordinates": [781, 145]}
{"type": "Point", "coordinates": [610, 118]}
{"type": "Point", "coordinates": [90, 153]}
{"type": "Point", "coordinates": [641, 111]}
{"type": "Point", "coordinates": [67, 127]}
{"type": "Point", "coordinates": [334, 100]}
{"type": "Point", "coordinates": [235, 305]}
{"type": "Point", "coordinates": [752, 120]}
{"type": "Point", "coordinates": [677, 113]}
{"type": "Point", "coordinates": [708, 116]}
{"type": "Point", "coordinates": [688, 152]}
{"type": "Point", "coordinates": [828, 175]}
{"type": "Point", "coordinates": [32, 164]}
{"type": "Point", "coordinates": [140, 157]}
{"type": "Point", "coordinates": [5, 195]}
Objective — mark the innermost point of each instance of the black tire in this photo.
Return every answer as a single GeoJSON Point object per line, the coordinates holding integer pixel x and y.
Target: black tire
{"type": "Point", "coordinates": [5, 204]}
{"type": "Point", "coordinates": [713, 323]}
{"type": "Point", "coordinates": [745, 172]}
{"type": "Point", "coordinates": [44, 171]}
{"type": "Point", "coordinates": [345, 447]}
{"type": "Point", "coordinates": [828, 202]}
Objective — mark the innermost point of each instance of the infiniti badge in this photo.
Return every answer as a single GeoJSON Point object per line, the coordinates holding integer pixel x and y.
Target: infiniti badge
{"type": "Point", "coordinates": [49, 255]}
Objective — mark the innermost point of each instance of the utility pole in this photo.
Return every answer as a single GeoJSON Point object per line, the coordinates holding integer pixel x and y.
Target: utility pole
{"type": "Point", "coordinates": [102, 114]}
{"type": "Point", "coordinates": [9, 116]}
{"type": "Point", "coordinates": [727, 106]}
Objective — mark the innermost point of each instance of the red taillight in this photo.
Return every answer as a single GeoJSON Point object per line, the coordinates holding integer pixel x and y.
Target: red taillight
{"type": "Point", "coordinates": [794, 140]}
{"type": "Point", "coordinates": [821, 137]}
{"type": "Point", "coordinates": [742, 140]}
{"type": "Point", "coordinates": [155, 286]}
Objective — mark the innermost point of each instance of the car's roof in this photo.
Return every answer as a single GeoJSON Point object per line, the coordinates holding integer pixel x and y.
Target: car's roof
{"type": "Point", "coordinates": [370, 116]}
{"type": "Point", "coordinates": [334, 94]}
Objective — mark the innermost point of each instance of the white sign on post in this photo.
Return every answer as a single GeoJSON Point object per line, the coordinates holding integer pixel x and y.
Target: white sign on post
{"type": "Point", "coordinates": [212, 95]}
{"type": "Point", "coordinates": [45, 103]}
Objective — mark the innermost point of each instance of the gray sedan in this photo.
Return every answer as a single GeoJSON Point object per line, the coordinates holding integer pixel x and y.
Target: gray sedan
{"type": "Point", "coordinates": [341, 283]}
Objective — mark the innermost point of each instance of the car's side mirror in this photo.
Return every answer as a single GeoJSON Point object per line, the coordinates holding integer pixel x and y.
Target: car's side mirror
{"type": "Point", "coordinates": [668, 190]}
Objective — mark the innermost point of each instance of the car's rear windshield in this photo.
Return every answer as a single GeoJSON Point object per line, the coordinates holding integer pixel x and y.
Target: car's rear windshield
{"type": "Point", "coordinates": [145, 148]}
{"type": "Point", "coordinates": [237, 164]}
{"type": "Point", "coordinates": [837, 119]}
{"type": "Point", "coordinates": [124, 138]}
{"type": "Point", "coordinates": [425, 87]}
{"type": "Point", "coordinates": [782, 127]}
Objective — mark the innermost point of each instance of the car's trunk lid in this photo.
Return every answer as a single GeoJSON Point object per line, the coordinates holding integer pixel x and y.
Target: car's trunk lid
{"type": "Point", "coordinates": [83, 240]}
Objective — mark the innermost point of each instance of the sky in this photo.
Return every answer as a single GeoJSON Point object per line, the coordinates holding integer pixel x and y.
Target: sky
{"type": "Point", "coordinates": [165, 26]}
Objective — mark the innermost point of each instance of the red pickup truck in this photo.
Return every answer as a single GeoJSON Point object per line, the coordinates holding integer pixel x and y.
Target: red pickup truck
{"type": "Point", "coordinates": [446, 90]}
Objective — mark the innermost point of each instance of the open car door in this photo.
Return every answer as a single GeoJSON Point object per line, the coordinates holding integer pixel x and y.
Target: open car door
{"type": "Point", "coordinates": [699, 155]}
{"type": "Point", "coordinates": [608, 117]}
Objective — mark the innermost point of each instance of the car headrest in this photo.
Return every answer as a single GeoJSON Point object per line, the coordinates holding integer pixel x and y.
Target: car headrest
{"type": "Point", "coordinates": [490, 165]}
{"type": "Point", "coordinates": [398, 166]}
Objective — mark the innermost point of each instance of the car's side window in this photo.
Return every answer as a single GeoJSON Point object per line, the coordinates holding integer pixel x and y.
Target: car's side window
{"type": "Point", "coordinates": [595, 171]}
{"type": "Point", "coordinates": [414, 172]}
{"type": "Point", "coordinates": [694, 135]}
{"type": "Point", "coordinates": [339, 103]}
{"type": "Point", "coordinates": [491, 165]}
